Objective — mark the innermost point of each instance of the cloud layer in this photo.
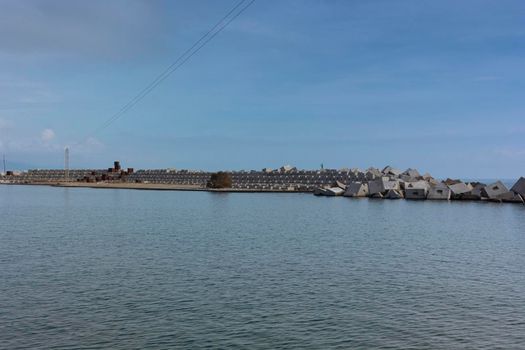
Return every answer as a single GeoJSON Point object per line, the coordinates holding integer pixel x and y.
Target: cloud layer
{"type": "Point", "coordinates": [94, 28]}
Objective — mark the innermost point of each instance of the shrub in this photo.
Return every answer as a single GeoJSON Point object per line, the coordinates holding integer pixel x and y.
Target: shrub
{"type": "Point", "coordinates": [220, 179]}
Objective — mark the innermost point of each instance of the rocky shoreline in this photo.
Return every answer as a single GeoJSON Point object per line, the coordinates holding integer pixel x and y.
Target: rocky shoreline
{"type": "Point", "coordinates": [391, 183]}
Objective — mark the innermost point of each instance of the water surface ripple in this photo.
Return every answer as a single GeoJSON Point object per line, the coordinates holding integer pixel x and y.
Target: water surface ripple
{"type": "Point", "coordinates": [121, 269]}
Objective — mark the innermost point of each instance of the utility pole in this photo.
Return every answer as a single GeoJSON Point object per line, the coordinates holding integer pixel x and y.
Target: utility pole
{"type": "Point", "coordinates": [66, 164]}
{"type": "Point", "coordinates": [5, 170]}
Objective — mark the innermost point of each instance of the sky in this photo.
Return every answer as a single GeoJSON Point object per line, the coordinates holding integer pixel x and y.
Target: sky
{"type": "Point", "coordinates": [433, 85]}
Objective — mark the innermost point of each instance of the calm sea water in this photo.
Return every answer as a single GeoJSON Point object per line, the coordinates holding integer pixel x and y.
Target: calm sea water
{"type": "Point", "coordinates": [120, 269]}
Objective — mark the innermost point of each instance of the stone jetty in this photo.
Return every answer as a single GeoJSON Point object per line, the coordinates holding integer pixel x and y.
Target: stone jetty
{"type": "Point", "coordinates": [388, 183]}
{"type": "Point", "coordinates": [391, 183]}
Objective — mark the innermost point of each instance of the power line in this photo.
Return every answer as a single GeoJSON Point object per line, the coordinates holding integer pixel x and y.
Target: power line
{"type": "Point", "coordinates": [169, 69]}
{"type": "Point", "coordinates": [230, 16]}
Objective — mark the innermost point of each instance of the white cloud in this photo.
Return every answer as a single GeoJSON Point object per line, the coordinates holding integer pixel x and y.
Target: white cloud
{"type": "Point", "coordinates": [47, 135]}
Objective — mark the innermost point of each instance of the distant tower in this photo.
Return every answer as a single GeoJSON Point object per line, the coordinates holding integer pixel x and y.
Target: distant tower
{"type": "Point", "coordinates": [4, 165]}
{"type": "Point", "coordinates": [66, 164]}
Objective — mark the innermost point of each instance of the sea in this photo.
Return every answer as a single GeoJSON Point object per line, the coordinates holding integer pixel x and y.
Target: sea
{"type": "Point", "coordinates": [130, 269]}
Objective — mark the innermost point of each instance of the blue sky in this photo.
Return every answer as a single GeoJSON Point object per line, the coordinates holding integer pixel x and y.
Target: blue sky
{"type": "Point", "coordinates": [436, 85]}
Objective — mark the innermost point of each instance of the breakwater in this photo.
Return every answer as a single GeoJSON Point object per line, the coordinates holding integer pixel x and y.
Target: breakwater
{"type": "Point", "coordinates": [388, 183]}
